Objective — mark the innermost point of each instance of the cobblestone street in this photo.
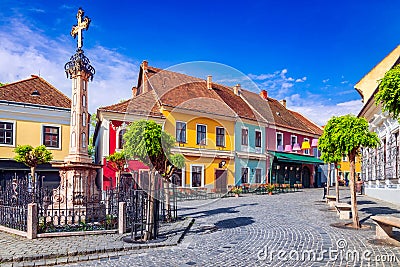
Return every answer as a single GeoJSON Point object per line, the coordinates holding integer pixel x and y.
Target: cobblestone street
{"type": "Point", "coordinates": [262, 230]}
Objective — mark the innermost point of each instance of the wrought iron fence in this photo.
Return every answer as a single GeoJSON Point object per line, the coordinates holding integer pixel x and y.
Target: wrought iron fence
{"type": "Point", "coordinates": [14, 199]}
{"type": "Point", "coordinates": [98, 212]}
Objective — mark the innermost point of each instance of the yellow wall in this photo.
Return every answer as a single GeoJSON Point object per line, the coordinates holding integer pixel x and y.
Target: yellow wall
{"type": "Point", "coordinates": [29, 133]}
{"type": "Point", "coordinates": [345, 165]}
{"type": "Point", "coordinates": [210, 166]}
{"type": "Point", "coordinates": [191, 126]}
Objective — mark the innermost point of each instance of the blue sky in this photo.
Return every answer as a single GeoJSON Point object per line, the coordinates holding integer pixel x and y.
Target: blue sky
{"type": "Point", "coordinates": [308, 52]}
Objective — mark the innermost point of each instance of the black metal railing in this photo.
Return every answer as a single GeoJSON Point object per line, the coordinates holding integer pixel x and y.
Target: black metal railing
{"type": "Point", "coordinates": [100, 211]}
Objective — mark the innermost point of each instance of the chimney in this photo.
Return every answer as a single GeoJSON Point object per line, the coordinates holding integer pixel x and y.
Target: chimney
{"type": "Point", "coordinates": [237, 89]}
{"type": "Point", "coordinates": [264, 94]}
{"type": "Point", "coordinates": [283, 102]}
{"type": "Point", "coordinates": [134, 91]}
{"type": "Point", "coordinates": [209, 82]}
{"type": "Point", "coordinates": [144, 77]}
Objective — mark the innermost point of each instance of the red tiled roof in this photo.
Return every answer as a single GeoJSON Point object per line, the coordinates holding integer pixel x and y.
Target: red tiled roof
{"type": "Point", "coordinates": [314, 127]}
{"type": "Point", "coordinates": [273, 111]}
{"type": "Point", "coordinates": [21, 92]}
{"type": "Point", "coordinates": [144, 104]}
{"type": "Point", "coordinates": [183, 91]}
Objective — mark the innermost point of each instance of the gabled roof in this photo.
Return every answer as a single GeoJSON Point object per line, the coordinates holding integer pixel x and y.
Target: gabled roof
{"type": "Point", "coordinates": [179, 90]}
{"type": "Point", "coordinates": [143, 104]}
{"type": "Point", "coordinates": [21, 92]}
{"type": "Point", "coordinates": [368, 84]}
{"type": "Point", "coordinates": [274, 112]}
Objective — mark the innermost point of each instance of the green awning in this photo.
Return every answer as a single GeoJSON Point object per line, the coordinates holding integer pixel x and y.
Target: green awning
{"type": "Point", "coordinates": [296, 158]}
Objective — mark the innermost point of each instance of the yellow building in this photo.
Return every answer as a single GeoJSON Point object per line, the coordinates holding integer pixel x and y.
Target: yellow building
{"type": "Point", "coordinates": [344, 170]}
{"type": "Point", "coordinates": [32, 112]}
{"type": "Point", "coordinates": [200, 114]}
{"type": "Point", "coordinates": [207, 144]}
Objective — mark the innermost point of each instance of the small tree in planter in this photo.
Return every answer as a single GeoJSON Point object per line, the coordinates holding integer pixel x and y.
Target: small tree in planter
{"type": "Point", "coordinates": [329, 152]}
{"type": "Point", "coordinates": [117, 161]}
{"type": "Point", "coordinates": [147, 142]}
{"type": "Point", "coordinates": [32, 157]}
{"type": "Point", "coordinates": [346, 135]}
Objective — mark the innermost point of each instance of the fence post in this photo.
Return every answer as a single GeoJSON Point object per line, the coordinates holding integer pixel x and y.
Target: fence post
{"type": "Point", "coordinates": [32, 221]}
{"type": "Point", "coordinates": [122, 218]}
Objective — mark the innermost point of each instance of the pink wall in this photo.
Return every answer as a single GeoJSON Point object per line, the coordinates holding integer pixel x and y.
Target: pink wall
{"type": "Point", "coordinates": [108, 171]}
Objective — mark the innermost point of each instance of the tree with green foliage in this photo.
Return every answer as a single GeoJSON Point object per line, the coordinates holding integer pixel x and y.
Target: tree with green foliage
{"type": "Point", "coordinates": [389, 92]}
{"type": "Point", "coordinates": [32, 157]}
{"type": "Point", "coordinates": [117, 161]}
{"type": "Point", "coordinates": [2, 84]}
{"type": "Point", "coordinates": [330, 155]}
{"type": "Point", "coordinates": [345, 135]}
{"type": "Point", "coordinates": [147, 142]}
{"type": "Point", "coordinates": [92, 125]}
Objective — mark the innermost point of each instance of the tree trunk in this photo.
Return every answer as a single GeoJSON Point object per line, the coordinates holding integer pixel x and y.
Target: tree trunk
{"type": "Point", "coordinates": [354, 211]}
{"type": "Point", "coordinates": [168, 214]}
{"type": "Point", "coordinates": [328, 180]}
{"type": "Point", "coordinates": [148, 235]}
{"type": "Point", "coordinates": [337, 184]}
{"type": "Point", "coordinates": [33, 170]}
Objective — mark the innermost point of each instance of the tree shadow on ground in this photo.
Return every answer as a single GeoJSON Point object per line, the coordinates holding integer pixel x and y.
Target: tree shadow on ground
{"type": "Point", "coordinates": [379, 211]}
{"type": "Point", "coordinates": [206, 213]}
{"type": "Point", "coordinates": [365, 202]}
{"type": "Point", "coordinates": [234, 222]}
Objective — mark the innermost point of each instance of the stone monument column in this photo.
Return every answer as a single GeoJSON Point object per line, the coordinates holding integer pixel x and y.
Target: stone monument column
{"type": "Point", "coordinates": [78, 190]}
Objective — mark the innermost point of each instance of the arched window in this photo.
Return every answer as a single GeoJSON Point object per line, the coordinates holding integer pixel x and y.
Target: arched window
{"type": "Point", "coordinates": [121, 141]}
{"type": "Point", "coordinates": [73, 118]}
{"type": "Point", "coordinates": [83, 140]}
{"type": "Point", "coordinates": [74, 100]}
{"type": "Point", "coordinates": [83, 119]}
{"type": "Point", "coordinates": [73, 139]}
{"type": "Point", "coordinates": [83, 101]}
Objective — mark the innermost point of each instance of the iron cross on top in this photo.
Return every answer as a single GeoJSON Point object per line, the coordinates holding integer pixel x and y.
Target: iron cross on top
{"type": "Point", "coordinates": [83, 24]}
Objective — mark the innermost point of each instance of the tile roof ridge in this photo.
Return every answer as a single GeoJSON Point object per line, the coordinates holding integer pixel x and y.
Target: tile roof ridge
{"type": "Point", "coordinates": [49, 84]}
{"type": "Point", "coordinates": [127, 100]}
{"type": "Point", "coordinates": [307, 119]}
{"type": "Point", "coordinates": [20, 81]}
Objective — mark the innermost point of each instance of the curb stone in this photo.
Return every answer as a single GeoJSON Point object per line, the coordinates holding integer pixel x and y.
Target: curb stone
{"type": "Point", "coordinates": [97, 253]}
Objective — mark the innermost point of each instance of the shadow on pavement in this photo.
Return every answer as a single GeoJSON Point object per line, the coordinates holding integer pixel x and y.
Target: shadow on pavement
{"type": "Point", "coordinates": [234, 222]}
{"type": "Point", "coordinates": [379, 211]}
{"type": "Point", "coordinates": [205, 213]}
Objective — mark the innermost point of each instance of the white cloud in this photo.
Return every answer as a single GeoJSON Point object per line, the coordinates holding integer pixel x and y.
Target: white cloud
{"type": "Point", "coordinates": [312, 108]}
{"type": "Point", "coordinates": [277, 83]}
{"type": "Point", "coordinates": [325, 81]}
{"type": "Point", "coordinates": [24, 50]}
{"type": "Point", "coordinates": [300, 80]}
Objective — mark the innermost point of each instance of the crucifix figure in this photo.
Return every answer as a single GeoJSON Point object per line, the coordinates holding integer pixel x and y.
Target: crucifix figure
{"type": "Point", "coordinates": [83, 24]}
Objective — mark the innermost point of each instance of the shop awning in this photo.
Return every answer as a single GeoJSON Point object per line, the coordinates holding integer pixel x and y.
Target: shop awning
{"type": "Point", "coordinates": [295, 158]}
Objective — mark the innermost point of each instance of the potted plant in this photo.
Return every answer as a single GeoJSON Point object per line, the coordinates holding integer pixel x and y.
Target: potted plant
{"type": "Point", "coordinates": [236, 191]}
{"type": "Point", "coordinates": [270, 188]}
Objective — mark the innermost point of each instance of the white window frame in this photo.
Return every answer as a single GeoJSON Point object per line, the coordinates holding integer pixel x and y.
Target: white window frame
{"type": "Point", "coordinates": [205, 143]}
{"type": "Point", "coordinates": [258, 149]}
{"type": "Point", "coordinates": [291, 143]}
{"type": "Point", "coordinates": [59, 134]}
{"type": "Point", "coordinates": [14, 133]}
{"type": "Point", "coordinates": [185, 132]}
{"type": "Point", "coordinates": [202, 174]}
{"type": "Point", "coordinates": [276, 141]}
{"type": "Point", "coordinates": [224, 144]}
{"type": "Point", "coordinates": [306, 151]}
{"type": "Point", "coordinates": [117, 138]}
{"type": "Point", "coordinates": [248, 174]}
{"type": "Point", "coordinates": [261, 174]}
{"type": "Point", "coordinates": [183, 177]}
{"type": "Point", "coordinates": [241, 136]}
